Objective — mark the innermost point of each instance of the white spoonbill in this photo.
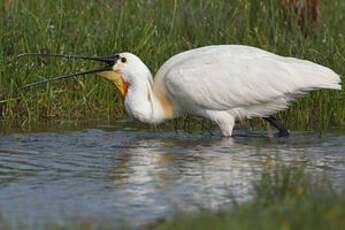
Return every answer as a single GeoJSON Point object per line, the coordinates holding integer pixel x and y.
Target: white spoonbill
{"type": "Point", "coordinates": [221, 83]}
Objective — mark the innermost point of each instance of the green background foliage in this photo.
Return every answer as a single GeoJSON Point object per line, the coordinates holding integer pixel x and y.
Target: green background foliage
{"type": "Point", "coordinates": [154, 30]}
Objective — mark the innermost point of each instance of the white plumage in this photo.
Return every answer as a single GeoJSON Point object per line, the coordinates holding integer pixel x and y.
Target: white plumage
{"type": "Point", "coordinates": [221, 83]}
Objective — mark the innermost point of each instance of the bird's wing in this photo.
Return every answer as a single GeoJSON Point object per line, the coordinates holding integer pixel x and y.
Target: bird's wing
{"type": "Point", "coordinates": [226, 77]}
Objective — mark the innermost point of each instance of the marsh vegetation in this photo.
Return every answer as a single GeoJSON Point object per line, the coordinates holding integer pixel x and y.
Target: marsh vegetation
{"type": "Point", "coordinates": [283, 184]}
{"type": "Point", "coordinates": [154, 30]}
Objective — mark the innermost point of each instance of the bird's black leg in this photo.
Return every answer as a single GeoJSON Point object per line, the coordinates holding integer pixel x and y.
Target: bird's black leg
{"type": "Point", "coordinates": [283, 131]}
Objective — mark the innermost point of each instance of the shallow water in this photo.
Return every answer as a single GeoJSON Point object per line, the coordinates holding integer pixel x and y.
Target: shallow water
{"type": "Point", "coordinates": [121, 173]}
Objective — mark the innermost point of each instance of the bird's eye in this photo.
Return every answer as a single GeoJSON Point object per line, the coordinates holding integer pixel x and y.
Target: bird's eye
{"type": "Point", "coordinates": [123, 60]}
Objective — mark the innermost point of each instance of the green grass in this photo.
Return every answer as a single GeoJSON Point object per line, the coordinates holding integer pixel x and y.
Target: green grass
{"type": "Point", "coordinates": [154, 30]}
{"type": "Point", "coordinates": [284, 197]}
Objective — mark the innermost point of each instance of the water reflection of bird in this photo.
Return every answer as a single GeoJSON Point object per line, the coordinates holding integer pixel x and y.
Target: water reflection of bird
{"type": "Point", "coordinates": [221, 83]}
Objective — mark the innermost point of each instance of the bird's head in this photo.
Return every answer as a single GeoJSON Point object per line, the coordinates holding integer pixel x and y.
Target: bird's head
{"type": "Point", "coordinates": [129, 68]}
{"type": "Point", "coordinates": [122, 69]}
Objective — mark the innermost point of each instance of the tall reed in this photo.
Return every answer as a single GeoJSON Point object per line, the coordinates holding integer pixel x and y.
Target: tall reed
{"type": "Point", "coordinates": [154, 30]}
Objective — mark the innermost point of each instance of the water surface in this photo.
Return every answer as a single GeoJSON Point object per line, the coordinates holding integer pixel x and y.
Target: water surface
{"type": "Point", "coordinates": [122, 173]}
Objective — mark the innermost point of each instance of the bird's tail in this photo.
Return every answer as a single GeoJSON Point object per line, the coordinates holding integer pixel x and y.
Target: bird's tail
{"type": "Point", "coordinates": [328, 79]}
{"type": "Point", "coordinates": [316, 76]}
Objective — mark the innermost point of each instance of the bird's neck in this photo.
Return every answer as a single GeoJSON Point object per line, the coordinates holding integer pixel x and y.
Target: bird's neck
{"type": "Point", "coordinates": [149, 103]}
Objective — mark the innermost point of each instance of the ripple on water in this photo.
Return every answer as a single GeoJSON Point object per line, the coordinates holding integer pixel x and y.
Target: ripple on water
{"type": "Point", "coordinates": [119, 173]}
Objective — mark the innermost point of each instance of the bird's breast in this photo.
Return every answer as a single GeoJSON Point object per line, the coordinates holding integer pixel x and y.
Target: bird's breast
{"type": "Point", "coordinates": [166, 105]}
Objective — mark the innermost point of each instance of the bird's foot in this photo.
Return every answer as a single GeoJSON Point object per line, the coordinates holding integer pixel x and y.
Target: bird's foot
{"type": "Point", "coordinates": [283, 133]}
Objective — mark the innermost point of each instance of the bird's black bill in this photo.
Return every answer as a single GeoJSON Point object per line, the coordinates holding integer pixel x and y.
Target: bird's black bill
{"type": "Point", "coordinates": [67, 76]}
{"type": "Point", "coordinates": [110, 60]}
{"type": "Point", "coordinates": [107, 59]}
